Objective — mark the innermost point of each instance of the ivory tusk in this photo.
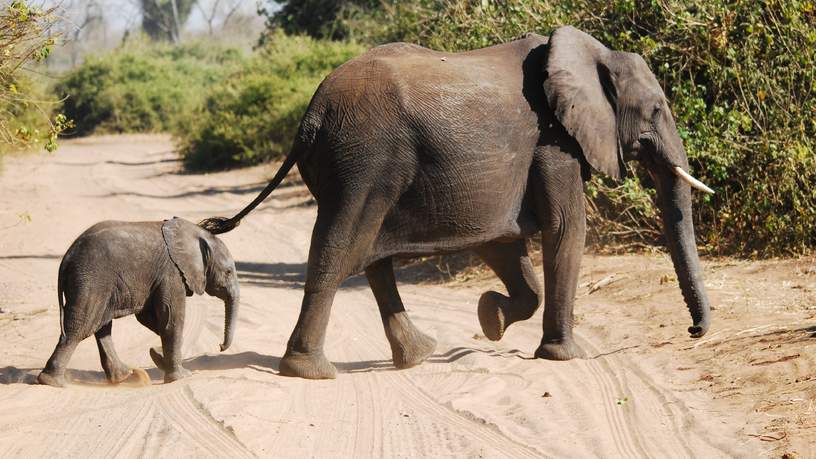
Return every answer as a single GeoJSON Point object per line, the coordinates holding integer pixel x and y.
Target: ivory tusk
{"type": "Point", "coordinates": [691, 180]}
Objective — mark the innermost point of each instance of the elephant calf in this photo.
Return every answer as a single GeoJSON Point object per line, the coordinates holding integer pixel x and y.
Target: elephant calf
{"type": "Point", "coordinates": [145, 268]}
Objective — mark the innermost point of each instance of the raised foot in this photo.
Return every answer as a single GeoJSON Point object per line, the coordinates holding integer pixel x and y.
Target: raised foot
{"type": "Point", "coordinates": [567, 350]}
{"type": "Point", "coordinates": [157, 357]}
{"type": "Point", "coordinates": [409, 346]}
{"type": "Point", "coordinates": [51, 380]}
{"type": "Point", "coordinates": [309, 366]}
{"type": "Point", "coordinates": [491, 315]}
{"type": "Point", "coordinates": [179, 373]}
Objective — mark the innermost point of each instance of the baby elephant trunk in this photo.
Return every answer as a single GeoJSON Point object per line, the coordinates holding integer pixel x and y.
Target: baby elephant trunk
{"type": "Point", "coordinates": [231, 303]}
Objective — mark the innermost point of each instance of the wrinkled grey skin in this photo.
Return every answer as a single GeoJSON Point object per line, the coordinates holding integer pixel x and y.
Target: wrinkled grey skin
{"type": "Point", "coordinates": [409, 152]}
{"type": "Point", "coordinates": [114, 269]}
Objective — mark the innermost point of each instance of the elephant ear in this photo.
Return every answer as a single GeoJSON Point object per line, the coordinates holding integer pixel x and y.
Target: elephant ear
{"type": "Point", "coordinates": [580, 91]}
{"type": "Point", "coordinates": [189, 251]}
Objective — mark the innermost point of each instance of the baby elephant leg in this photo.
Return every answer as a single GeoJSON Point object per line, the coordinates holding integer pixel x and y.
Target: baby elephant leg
{"type": "Point", "coordinates": [54, 372]}
{"type": "Point", "coordinates": [148, 318]}
{"type": "Point", "coordinates": [170, 318]}
{"type": "Point", "coordinates": [165, 317]}
{"type": "Point", "coordinates": [171, 345]}
{"type": "Point", "coordinates": [73, 332]}
{"type": "Point", "coordinates": [115, 370]}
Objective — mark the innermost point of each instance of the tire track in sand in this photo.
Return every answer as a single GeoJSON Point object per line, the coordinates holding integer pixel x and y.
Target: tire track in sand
{"type": "Point", "coordinates": [188, 415]}
{"type": "Point", "coordinates": [402, 387]}
{"type": "Point", "coordinates": [681, 421]}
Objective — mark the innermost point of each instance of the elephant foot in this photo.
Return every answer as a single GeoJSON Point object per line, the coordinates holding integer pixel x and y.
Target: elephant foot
{"type": "Point", "coordinates": [51, 380]}
{"type": "Point", "coordinates": [409, 346]}
{"type": "Point", "coordinates": [566, 350]}
{"type": "Point", "coordinates": [491, 315]}
{"type": "Point", "coordinates": [309, 366]}
{"type": "Point", "coordinates": [157, 357]}
{"type": "Point", "coordinates": [129, 376]}
{"type": "Point", "coordinates": [179, 373]}
{"type": "Point", "coordinates": [118, 375]}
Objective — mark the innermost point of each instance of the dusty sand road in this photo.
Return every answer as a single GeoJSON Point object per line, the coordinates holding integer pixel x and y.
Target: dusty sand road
{"type": "Point", "coordinates": [647, 391]}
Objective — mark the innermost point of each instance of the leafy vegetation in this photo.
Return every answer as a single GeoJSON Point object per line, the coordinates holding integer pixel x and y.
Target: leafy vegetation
{"type": "Point", "coordinates": [740, 76]}
{"type": "Point", "coordinates": [143, 88]}
{"type": "Point", "coordinates": [25, 107]}
{"type": "Point", "coordinates": [253, 115]}
{"type": "Point", "coordinates": [321, 19]}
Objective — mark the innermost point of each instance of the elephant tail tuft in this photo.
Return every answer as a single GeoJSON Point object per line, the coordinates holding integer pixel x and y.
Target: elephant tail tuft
{"type": "Point", "coordinates": [218, 225]}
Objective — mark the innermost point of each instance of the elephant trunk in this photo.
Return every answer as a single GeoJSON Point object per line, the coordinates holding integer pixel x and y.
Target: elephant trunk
{"type": "Point", "coordinates": [674, 200]}
{"type": "Point", "coordinates": [231, 303]}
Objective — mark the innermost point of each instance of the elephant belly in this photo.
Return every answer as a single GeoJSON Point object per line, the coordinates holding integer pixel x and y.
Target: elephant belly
{"type": "Point", "coordinates": [449, 209]}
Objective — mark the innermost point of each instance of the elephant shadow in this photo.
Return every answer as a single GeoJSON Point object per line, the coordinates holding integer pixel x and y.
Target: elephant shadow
{"type": "Point", "coordinates": [248, 359]}
{"type": "Point", "coordinates": [271, 364]}
{"type": "Point", "coordinates": [285, 275]}
{"type": "Point", "coordinates": [435, 269]}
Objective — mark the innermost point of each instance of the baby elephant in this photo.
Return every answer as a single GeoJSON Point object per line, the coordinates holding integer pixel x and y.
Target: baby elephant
{"type": "Point", "coordinates": [145, 268]}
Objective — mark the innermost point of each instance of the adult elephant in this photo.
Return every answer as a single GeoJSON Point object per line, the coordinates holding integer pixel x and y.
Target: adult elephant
{"type": "Point", "coordinates": [410, 151]}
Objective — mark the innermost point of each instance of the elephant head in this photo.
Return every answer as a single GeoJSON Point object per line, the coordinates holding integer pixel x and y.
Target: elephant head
{"type": "Point", "coordinates": [206, 265]}
{"type": "Point", "coordinates": [612, 104]}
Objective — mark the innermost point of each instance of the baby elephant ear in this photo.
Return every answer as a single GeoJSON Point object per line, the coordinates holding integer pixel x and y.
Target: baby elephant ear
{"type": "Point", "coordinates": [188, 251]}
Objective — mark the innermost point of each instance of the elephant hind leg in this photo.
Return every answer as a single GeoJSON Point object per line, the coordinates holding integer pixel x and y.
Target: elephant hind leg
{"type": "Point", "coordinates": [342, 238]}
{"type": "Point", "coordinates": [76, 327]}
{"type": "Point", "coordinates": [510, 261]}
{"type": "Point", "coordinates": [409, 346]}
{"type": "Point", "coordinates": [54, 372]}
{"type": "Point", "coordinates": [115, 370]}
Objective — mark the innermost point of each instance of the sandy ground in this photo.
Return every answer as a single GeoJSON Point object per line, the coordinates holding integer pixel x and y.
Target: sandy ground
{"type": "Point", "coordinates": [747, 389]}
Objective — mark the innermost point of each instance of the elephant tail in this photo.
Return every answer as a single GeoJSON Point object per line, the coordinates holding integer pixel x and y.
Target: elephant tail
{"type": "Point", "coordinates": [218, 225]}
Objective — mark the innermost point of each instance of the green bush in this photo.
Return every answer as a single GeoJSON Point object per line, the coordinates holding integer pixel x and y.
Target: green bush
{"type": "Point", "coordinates": [142, 88]}
{"type": "Point", "coordinates": [253, 115]}
{"type": "Point", "coordinates": [741, 78]}
{"type": "Point", "coordinates": [26, 38]}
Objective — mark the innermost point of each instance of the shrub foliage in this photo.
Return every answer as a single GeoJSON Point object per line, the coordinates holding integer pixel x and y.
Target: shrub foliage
{"type": "Point", "coordinates": [741, 78]}
{"type": "Point", "coordinates": [26, 37]}
{"type": "Point", "coordinates": [142, 88]}
{"type": "Point", "coordinates": [253, 115]}
{"type": "Point", "coordinates": [321, 19]}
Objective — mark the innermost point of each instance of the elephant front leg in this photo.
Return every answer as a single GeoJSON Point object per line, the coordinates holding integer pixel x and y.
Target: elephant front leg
{"type": "Point", "coordinates": [171, 340]}
{"type": "Point", "coordinates": [115, 370]}
{"type": "Point", "coordinates": [147, 317]}
{"type": "Point", "coordinates": [170, 313]}
{"type": "Point", "coordinates": [560, 206]}
{"type": "Point", "coordinates": [409, 346]}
